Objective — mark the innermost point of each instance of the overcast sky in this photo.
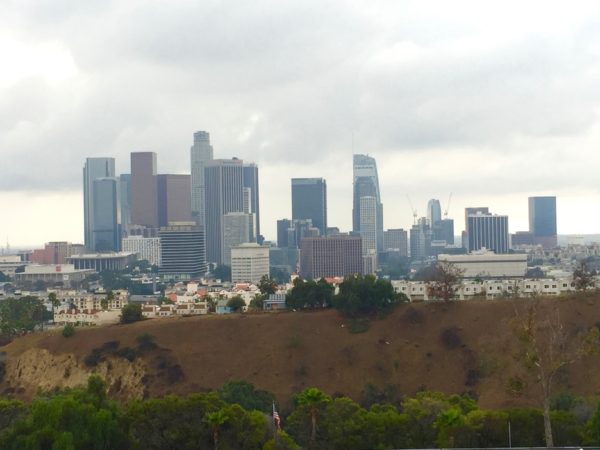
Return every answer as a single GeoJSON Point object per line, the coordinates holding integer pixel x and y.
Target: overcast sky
{"type": "Point", "coordinates": [493, 103]}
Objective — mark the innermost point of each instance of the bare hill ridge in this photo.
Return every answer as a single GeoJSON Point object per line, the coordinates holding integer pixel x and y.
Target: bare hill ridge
{"type": "Point", "coordinates": [454, 348]}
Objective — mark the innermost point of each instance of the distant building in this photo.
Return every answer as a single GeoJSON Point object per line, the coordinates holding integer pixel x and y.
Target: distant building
{"type": "Point", "coordinates": [487, 264]}
{"type": "Point", "coordinates": [54, 253]}
{"type": "Point", "coordinates": [368, 226]}
{"type": "Point", "coordinates": [182, 255]}
{"type": "Point", "coordinates": [65, 274]}
{"type": "Point", "coordinates": [521, 238]}
{"type": "Point", "coordinates": [434, 212]}
{"type": "Point", "coordinates": [420, 240]}
{"type": "Point", "coordinates": [469, 211]}
{"type": "Point", "coordinates": [396, 239]}
{"type": "Point", "coordinates": [106, 215]}
{"type": "Point", "coordinates": [488, 231]}
{"type": "Point", "coordinates": [94, 168]}
{"type": "Point", "coordinates": [238, 228]}
{"type": "Point", "coordinates": [309, 201]}
{"type": "Point", "coordinates": [335, 256]}
{"type": "Point", "coordinates": [174, 199]}
{"type": "Point", "coordinates": [9, 264]}
{"type": "Point", "coordinates": [250, 174]}
{"type": "Point", "coordinates": [443, 230]}
{"type": "Point", "coordinates": [542, 221]}
{"type": "Point", "coordinates": [223, 179]}
{"type": "Point", "coordinates": [101, 261]}
{"type": "Point", "coordinates": [249, 263]}
{"type": "Point", "coordinates": [291, 232]}
{"type": "Point", "coordinates": [200, 153]}
{"type": "Point", "coordinates": [125, 201]}
{"type": "Point", "coordinates": [145, 248]}
{"type": "Point", "coordinates": [366, 184]}
{"type": "Point", "coordinates": [144, 205]}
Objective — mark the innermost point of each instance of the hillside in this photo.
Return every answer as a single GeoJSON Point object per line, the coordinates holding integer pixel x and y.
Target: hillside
{"type": "Point", "coordinates": [286, 352]}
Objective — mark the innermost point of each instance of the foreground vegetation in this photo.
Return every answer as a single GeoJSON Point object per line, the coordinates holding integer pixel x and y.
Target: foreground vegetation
{"type": "Point", "coordinates": [240, 417]}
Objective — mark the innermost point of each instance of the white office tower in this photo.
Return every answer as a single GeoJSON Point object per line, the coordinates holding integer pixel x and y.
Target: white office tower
{"type": "Point", "coordinates": [249, 262]}
{"type": "Point", "coordinates": [238, 228]}
{"type": "Point", "coordinates": [200, 153]}
{"type": "Point", "coordinates": [147, 248]}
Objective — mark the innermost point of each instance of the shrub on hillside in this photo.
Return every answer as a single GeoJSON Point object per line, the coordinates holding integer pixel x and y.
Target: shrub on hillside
{"type": "Point", "coordinates": [68, 330]}
{"type": "Point", "coordinates": [365, 296]}
{"type": "Point", "coordinates": [131, 313]}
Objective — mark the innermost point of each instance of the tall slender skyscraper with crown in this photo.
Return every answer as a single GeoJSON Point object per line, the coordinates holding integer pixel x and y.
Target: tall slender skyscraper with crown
{"type": "Point", "coordinates": [366, 184]}
{"type": "Point", "coordinates": [201, 152]}
{"type": "Point", "coordinates": [94, 168]}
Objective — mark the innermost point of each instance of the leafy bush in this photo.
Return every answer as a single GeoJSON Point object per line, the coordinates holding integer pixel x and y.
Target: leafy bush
{"type": "Point", "coordinates": [94, 358]}
{"type": "Point", "coordinates": [131, 313]}
{"type": "Point", "coordinates": [68, 330]}
{"type": "Point", "coordinates": [361, 325]}
{"type": "Point", "coordinates": [146, 342]}
{"type": "Point", "coordinates": [365, 296]}
{"type": "Point", "coordinates": [128, 353]}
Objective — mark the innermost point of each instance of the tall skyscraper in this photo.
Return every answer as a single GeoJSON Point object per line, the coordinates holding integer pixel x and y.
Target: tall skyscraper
{"type": "Point", "coordinates": [238, 228]}
{"type": "Point", "coordinates": [200, 153]}
{"type": "Point", "coordinates": [443, 230]}
{"type": "Point", "coordinates": [434, 212]}
{"type": "Point", "coordinates": [224, 193]}
{"type": "Point", "coordinates": [420, 239]}
{"type": "Point", "coordinates": [94, 168]}
{"type": "Point", "coordinates": [309, 201]}
{"type": "Point", "coordinates": [251, 184]}
{"type": "Point", "coordinates": [396, 239]}
{"type": "Point", "coordinates": [174, 199]}
{"type": "Point", "coordinates": [106, 233]}
{"type": "Point", "coordinates": [125, 199]}
{"type": "Point", "coordinates": [488, 231]}
{"type": "Point", "coordinates": [368, 224]}
{"type": "Point", "coordinates": [182, 251]}
{"type": "Point", "coordinates": [144, 207]}
{"type": "Point", "coordinates": [468, 212]}
{"type": "Point", "coordinates": [366, 184]}
{"type": "Point", "coordinates": [542, 221]}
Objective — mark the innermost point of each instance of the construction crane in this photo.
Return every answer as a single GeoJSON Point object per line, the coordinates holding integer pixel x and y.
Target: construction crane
{"type": "Point", "coordinates": [414, 211]}
{"type": "Point", "coordinates": [447, 206]}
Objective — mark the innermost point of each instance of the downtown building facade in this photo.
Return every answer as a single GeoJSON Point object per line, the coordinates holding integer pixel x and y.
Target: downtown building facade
{"type": "Point", "coordinates": [331, 256]}
{"type": "Point", "coordinates": [93, 169]}
{"type": "Point", "coordinates": [488, 231]}
{"type": "Point", "coordinates": [200, 153]}
{"type": "Point", "coordinates": [542, 221]}
{"type": "Point", "coordinates": [249, 263]}
{"type": "Point", "coordinates": [309, 201]}
{"type": "Point", "coordinates": [182, 251]}
{"type": "Point", "coordinates": [365, 215]}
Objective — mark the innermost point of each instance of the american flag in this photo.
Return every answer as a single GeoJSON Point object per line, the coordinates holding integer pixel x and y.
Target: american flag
{"type": "Point", "coordinates": [276, 418]}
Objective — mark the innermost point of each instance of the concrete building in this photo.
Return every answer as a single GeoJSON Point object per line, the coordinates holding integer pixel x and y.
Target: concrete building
{"type": "Point", "coordinates": [200, 153]}
{"type": "Point", "coordinates": [487, 264]}
{"type": "Point", "coordinates": [224, 182]}
{"type": "Point", "coordinates": [334, 256]}
{"type": "Point", "coordinates": [55, 253]}
{"type": "Point", "coordinates": [102, 261]}
{"type": "Point", "coordinates": [106, 215]}
{"type": "Point", "coordinates": [291, 232]}
{"type": "Point", "coordinates": [174, 199]}
{"type": "Point", "coordinates": [144, 207]}
{"type": "Point", "coordinates": [249, 263]}
{"type": "Point", "coordinates": [542, 221]}
{"type": "Point", "coordinates": [145, 248]}
{"type": "Point", "coordinates": [396, 239]}
{"type": "Point", "coordinates": [66, 274]}
{"type": "Point", "coordinates": [443, 230]}
{"type": "Point", "coordinates": [489, 231]}
{"type": "Point", "coordinates": [253, 200]}
{"type": "Point", "coordinates": [470, 211]}
{"type": "Point", "coordinates": [521, 238]}
{"type": "Point", "coordinates": [366, 184]}
{"type": "Point", "coordinates": [94, 168]}
{"type": "Point", "coordinates": [125, 201]}
{"type": "Point", "coordinates": [10, 263]}
{"type": "Point", "coordinates": [183, 255]}
{"type": "Point", "coordinates": [420, 240]}
{"type": "Point", "coordinates": [309, 201]}
{"type": "Point", "coordinates": [238, 228]}
{"type": "Point", "coordinates": [368, 226]}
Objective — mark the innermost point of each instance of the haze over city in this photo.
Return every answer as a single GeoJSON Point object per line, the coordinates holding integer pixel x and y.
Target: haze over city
{"type": "Point", "coordinates": [494, 103]}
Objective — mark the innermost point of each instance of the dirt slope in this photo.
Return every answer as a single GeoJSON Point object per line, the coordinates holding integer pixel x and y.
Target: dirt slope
{"type": "Point", "coordinates": [286, 352]}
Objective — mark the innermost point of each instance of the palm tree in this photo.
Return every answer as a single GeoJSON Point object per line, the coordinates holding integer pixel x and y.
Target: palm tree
{"type": "Point", "coordinates": [312, 399]}
{"type": "Point", "coordinates": [214, 421]}
{"type": "Point", "coordinates": [54, 301]}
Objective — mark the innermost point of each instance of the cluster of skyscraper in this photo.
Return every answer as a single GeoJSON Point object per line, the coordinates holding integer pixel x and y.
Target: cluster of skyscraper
{"type": "Point", "coordinates": [178, 221]}
{"type": "Point", "coordinates": [181, 222]}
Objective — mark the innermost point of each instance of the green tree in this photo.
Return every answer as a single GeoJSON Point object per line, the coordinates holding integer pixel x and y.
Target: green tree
{"type": "Point", "coordinates": [68, 330]}
{"type": "Point", "coordinates": [54, 301]}
{"type": "Point", "coordinates": [236, 303]}
{"type": "Point", "coordinates": [280, 276]}
{"type": "Point", "coordinates": [365, 295]}
{"type": "Point", "coordinates": [131, 313]}
{"type": "Point", "coordinates": [310, 294]}
{"type": "Point", "coordinates": [257, 302]}
{"type": "Point", "coordinates": [310, 402]}
{"type": "Point", "coordinates": [583, 278]}
{"type": "Point", "coordinates": [215, 420]}
{"type": "Point", "coordinates": [4, 278]}
{"type": "Point", "coordinates": [21, 315]}
{"type": "Point", "coordinates": [245, 395]}
{"type": "Point", "coordinates": [266, 285]}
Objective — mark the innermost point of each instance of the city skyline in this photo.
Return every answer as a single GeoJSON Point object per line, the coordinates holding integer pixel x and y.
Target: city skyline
{"type": "Point", "coordinates": [494, 103]}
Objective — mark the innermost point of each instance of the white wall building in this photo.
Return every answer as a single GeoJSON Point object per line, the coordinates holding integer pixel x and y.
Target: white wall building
{"type": "Point", "coordinates": [487, 264]}
{"type": "Point", "coordinates": [147, 248]}
{"type": "Point", "coordinates": [249, 262]}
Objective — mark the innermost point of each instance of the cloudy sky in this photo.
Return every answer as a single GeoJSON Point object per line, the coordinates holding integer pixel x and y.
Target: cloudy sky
{"type": "Point", "coordinates": [492, 101]}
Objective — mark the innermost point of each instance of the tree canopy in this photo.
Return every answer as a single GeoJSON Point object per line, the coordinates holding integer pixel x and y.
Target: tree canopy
{"type": "Point", "coordinates": [366, 295]}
